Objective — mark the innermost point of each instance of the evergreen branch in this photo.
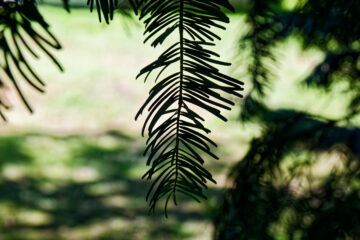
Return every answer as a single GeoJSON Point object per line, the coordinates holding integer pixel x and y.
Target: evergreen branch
{"type": "Point", "coordinates": [175, 129]}
{"type": "Point", "coordinates": [17, 19]}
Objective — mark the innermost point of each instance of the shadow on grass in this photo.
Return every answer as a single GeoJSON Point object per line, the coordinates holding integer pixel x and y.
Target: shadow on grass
{"type": "Point", "coordinates": [83, 187]}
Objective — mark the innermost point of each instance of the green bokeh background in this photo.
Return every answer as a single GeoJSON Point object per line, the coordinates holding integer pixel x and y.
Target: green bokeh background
{"type": "Point", "coordinates": [73, 169]}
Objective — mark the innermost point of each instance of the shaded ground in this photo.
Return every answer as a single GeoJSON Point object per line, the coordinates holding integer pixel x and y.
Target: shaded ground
{"type": "Point", "coordinates": [84, 187]}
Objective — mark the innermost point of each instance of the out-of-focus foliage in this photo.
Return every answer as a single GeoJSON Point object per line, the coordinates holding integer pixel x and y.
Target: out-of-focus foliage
{"type": "Point", "coordinates": [269, 190]}
{"type": "Point", "coordinates": [277, 198]}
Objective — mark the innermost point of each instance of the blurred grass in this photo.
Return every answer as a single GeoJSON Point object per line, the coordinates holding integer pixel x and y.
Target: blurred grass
{"type": "Point", "coordinates": [83, 187]}
{"type": "Point", "coordinates": [72, 170]}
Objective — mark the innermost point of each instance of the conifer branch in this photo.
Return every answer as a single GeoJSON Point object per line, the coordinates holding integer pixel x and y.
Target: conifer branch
{"type": "Point", "coordinates": [176, 141]}
{"type": "Point", "coordinates": [18, 19]}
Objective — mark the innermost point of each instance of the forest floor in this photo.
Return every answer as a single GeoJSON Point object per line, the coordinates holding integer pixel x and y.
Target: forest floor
{"type": "Point", "coordinates": [73, 169]}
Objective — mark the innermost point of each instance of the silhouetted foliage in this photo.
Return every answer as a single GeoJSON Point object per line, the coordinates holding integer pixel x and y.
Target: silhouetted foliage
{"type": "Point", "coordinates": [273, 198]}
{"type": "Point", "coordinates": [20, 36]}
{"type": "Point", "coordinates": [176, 134]}
{"type": "Point", "coordinates": [17, 27]}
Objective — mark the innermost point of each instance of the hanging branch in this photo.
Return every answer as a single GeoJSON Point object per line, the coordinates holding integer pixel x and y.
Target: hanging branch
{"type": "Point", "coordinates": [176, 135]}
{"type": "Point", "coordinates": [17, 36]}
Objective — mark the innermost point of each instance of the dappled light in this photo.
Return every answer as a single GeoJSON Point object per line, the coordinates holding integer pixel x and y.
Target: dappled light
{"type": "Point", "coordinates": [80, 187]}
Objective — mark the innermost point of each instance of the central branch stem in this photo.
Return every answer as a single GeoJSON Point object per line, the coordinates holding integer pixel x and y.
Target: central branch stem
{"type": "Point", "coordinates": [180, 101]}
